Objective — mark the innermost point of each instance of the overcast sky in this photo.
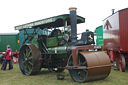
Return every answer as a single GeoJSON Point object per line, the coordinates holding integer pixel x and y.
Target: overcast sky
{"type": "Point", "coordinates": [17, 12]}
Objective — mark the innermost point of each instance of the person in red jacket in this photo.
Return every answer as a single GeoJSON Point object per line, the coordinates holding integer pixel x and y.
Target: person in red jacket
{"type": "Point", "coordinates": [8, 57]}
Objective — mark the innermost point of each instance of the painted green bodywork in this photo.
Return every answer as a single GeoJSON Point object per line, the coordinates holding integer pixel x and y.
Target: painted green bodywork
{"type": "Point", "coordinates": [22, 35]}
{"type": "Point", "coordinates": [57, 49]}
{"type": "Point", "coordinates": [34, 40]}
{"type": "Point", "coordinates": [51, 42]}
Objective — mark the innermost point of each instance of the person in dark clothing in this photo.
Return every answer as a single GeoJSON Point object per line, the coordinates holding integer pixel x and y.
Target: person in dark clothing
{"type": "Point", "coordinates": [2, 57]}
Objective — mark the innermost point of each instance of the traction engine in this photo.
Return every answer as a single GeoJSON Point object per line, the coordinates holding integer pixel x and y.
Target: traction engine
{"type": "Point", "coordinates": [58, 49]}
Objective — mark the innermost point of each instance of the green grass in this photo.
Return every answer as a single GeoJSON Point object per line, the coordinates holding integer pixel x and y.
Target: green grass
{"type": "Point", "coordinates": [15, 77]}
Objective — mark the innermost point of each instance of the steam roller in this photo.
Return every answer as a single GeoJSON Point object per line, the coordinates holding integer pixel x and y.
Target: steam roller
{"type": "Point", "coordinates": [53, 45]}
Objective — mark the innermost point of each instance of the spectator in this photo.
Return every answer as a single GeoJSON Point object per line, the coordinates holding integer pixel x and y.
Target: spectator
{"type": "Point", "coordinates": [8, 57]}
{"type": "Point", "coordinates": [2, 57]}
{"type": "Point", "coordinates": [3, 63]}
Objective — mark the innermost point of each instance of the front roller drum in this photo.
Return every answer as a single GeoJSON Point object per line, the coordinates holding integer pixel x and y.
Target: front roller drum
{"type": "Point", "coordinates": [29, 59]}
{"type": "Point", "coordinates": [98, 66]}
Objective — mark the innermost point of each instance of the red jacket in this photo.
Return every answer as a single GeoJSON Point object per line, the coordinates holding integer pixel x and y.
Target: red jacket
{"type": "Point", "coordinates": [7, 54]}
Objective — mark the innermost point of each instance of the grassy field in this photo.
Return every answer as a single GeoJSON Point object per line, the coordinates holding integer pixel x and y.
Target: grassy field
{"type": "Point", "coordinates": [15, 77]}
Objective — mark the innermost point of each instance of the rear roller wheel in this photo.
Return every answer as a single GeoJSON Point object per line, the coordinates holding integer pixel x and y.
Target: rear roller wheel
{"type": "Point", "coordinates": [122, 63]}
{"type": "Point", "coordinates": [78, 75]}
{"type": "Point", "coordinates": [29, 59]}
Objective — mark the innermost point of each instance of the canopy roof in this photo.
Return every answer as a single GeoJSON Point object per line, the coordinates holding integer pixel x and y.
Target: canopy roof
{"type": "Point", "coordinates": [52, 22]}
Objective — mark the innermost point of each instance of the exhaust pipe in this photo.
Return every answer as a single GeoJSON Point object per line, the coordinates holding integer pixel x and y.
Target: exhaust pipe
{"type": "Point", "coordinates": [113, 11]}
{"type": "Point", "coordinates": [73, 22]}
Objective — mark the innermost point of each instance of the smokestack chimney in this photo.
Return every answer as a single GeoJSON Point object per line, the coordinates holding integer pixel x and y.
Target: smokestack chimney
{"type": "Point", "coordinates": [73, 21]}
{"type": "Point", "coordinates": [113, 11]}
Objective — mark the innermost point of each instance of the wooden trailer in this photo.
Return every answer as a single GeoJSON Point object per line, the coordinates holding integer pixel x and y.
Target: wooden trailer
{"type": "Point", "coordinates": [115, 33]}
